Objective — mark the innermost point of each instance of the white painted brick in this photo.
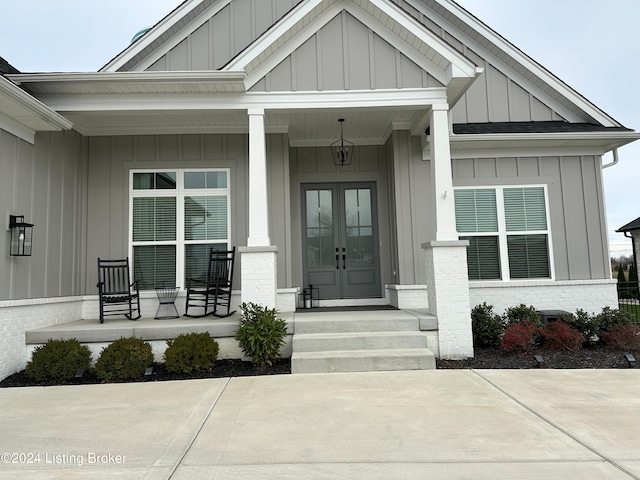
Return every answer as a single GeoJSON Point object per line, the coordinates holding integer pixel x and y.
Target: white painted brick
{"type": "Point", "coordinates": [588, 295]}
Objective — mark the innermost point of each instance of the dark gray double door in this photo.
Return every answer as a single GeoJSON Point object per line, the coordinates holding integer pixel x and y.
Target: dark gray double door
{"type": "Point", "coordinates": [340, 240]}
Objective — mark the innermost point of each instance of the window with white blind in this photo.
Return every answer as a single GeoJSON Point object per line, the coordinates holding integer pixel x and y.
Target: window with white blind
{"type": "Point", "coordinates": [508, 232]}
{"type": "Point", "coordinates": [176, 217]}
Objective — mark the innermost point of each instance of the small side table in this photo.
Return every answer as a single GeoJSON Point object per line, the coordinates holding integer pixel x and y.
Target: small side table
{"type": "Point", "coordinates": [167, 308]}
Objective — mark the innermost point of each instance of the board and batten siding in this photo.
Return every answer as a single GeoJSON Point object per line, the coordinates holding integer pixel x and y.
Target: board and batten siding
{"type": "Point", "coordinates": [45, 182]}
{"type": "Point", "coordinates": [224, 35]}
{"type": "Point", "coordinates": [345, 55]}
{"type": "Point", "coordinates": [112, 158]}
{"type": "Point", "coordinates": [576, 205]}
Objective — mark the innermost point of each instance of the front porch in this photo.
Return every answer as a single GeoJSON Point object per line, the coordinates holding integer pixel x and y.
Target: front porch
{"type": "Point", "coordinates": [319, 340]}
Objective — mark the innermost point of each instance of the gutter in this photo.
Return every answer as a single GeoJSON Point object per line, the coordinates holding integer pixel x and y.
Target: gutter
{"type": "Point", "coordinates": [615, 160]}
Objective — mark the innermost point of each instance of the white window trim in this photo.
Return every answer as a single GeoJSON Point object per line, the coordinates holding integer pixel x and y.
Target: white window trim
{"type": "Point", "coordinates": [502, 232]}
{"type": "Point", "coordinates": [179, 193]}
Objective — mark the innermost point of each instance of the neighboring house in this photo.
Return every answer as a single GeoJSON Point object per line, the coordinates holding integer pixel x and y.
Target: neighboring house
{"type": "Point", "coordinates": [476, 174]}
{"type": "Point", "coordinates": [632, 230]}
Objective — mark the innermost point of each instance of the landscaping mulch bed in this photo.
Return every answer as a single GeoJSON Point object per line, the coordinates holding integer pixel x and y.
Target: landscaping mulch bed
{"type": "Point", "coordinates": [222, 368]}
{"type": "Point", "coordinates": [594, 357]}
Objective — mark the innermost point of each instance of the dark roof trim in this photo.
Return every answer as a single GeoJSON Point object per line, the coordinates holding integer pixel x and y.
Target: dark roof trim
{"type": "Point", "coordinates": [6, 67]}
{"type": "Point", "coordinates": [531, 127]}
{"type": "Point", "coordinates": [634, 225]}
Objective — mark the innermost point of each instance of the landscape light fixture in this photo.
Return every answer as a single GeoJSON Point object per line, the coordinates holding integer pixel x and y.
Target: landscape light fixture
{"type": "Point", "coordinates": [342, 150]}
{"type": "Point", "coordinates": [21, 236]}
{"type": "Point", "coordinates": [631, 359]}
{"type": "Point", "coordinates": [539, 360]}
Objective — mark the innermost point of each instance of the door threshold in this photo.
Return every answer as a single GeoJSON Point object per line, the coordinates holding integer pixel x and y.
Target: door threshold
{"type": "Point", "coordinates": [351, 302]}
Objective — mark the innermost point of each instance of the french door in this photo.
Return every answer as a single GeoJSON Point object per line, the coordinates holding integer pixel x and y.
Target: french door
{"type": "Point", "coordinates": [340, 240]}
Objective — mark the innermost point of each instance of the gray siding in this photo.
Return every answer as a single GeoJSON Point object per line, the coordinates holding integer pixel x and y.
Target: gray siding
{"type": "Point", "coordinates": [578, 225]}
{"type": "Point", "coordinates": [112, 158]}
{"type": "Point", "coordinates": [345, 55]}
{"type": "Point", "coordinates": [45, 183]}
{"type": "Point", "coordinates": [315, 165]}
{"type": "Point", "coordinates": [225, 35]}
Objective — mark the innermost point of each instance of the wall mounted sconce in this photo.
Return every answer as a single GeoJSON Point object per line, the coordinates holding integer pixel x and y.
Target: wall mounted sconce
{"type": "Point", "coordinates": [21, 236]}
{"type": "Point", "coordinates": [342, 150]}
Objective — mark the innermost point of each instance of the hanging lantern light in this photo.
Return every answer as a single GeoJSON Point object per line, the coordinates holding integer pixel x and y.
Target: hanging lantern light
{"type": "Point", "coordinates": [342, 150]}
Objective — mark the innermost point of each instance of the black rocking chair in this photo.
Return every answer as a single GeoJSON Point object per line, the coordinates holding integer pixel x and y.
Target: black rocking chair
{"type": "Point", "coordinates": [215, 291]}
{"type": "Point", "coordinates": [118, 296]}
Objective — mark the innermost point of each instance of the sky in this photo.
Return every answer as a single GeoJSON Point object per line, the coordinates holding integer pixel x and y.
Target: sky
{"type": "Point", "coordinates": [592, 45]}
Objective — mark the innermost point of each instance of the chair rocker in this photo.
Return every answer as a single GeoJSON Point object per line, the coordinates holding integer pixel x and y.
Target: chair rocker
{"type": "Point", "coordinates": [215, 291]}
{"type": "Point", "coordinates": [118, 296]}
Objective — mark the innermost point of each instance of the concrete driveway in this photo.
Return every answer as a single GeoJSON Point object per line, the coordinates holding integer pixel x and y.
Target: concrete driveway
{"type": "Point", "coordinates": [442, 424]}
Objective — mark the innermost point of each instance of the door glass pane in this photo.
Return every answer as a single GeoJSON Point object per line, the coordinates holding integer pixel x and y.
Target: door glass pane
{"type": "Point", "coordinates": [358, 218]}
{"type": "Point", "coordinates": [319, 231]}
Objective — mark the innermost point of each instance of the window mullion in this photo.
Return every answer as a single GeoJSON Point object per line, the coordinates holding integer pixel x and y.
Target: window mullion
{"type": "Point", "coordinates": [502, 236]}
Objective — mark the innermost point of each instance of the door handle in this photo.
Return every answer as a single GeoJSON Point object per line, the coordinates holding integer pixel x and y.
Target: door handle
{"type": "Point", "coordinates": [337, 259]}
{"type": "Point", "coordinates": [344, 258]}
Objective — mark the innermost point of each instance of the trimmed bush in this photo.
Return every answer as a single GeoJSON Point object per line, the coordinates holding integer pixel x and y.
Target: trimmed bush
{"type": "Point", "coordinates": [261, 334]}
{"type": "Point", "coordinates": [522, 313]}
{"type": "Point", "coordinates": [520, 336]}
{"type": "Point", "coordinates": [58, 360]}
{"type": "Point", "coordinates": [622, 337]}
{"type": "Point", "coordinates": [191, 353]}
{"type": "Point", "coordinates": [585, 323]}
{"type": "Point", "coordinates": [560, 336]}
{"type": "Point", "coordinates": [124, 359]}
{"type": "Point", "coordinates": [612, 318]}
{"type": "Point", "coordinates": [487, 326]}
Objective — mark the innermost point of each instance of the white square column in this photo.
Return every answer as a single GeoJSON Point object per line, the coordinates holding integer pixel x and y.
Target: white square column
{"type": "Point", "coordinates": [258, 198]}
{"type": "Point", "coordinates": [441, 175]}
{"type": "Point", "coordinates": [258, 270]}
{"type": "Point", "coordinates": [446, 256]}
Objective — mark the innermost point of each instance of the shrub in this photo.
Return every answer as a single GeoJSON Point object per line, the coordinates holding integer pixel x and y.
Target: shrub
{"type": "Point", "coordinates": [560, 336]}
{"type": "Point", "coordinates": [487, 326]}
{"type": "Point", "coordinates": [522, 313]}
{"type": "Point", "coordinates": [124, 359]}
{"type": "Point", "coordinates": [622, 337]}
{"type": "Point", "coordinates": [611, 318]}
{"type": "Point", "coordinates": [58, 360]}
{"type": "Point", "coordinates": [261, 334]}
{"type": "Point", "coordinates": [191, 353]}
{"type": "Point", "coordinates": [520, 336]}
{"type": "Point", "coordinates": [585, 323]}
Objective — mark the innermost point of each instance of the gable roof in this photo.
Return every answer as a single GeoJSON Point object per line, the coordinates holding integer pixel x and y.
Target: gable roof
{"type": "Point", "coordinates": [431, 26]}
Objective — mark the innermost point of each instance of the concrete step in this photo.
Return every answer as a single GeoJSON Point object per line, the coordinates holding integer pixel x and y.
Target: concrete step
{"type": "Point", "coordinates": [348, 322]}
{"type": "Point", "coordinates": [362, 361]}
{"type": "Point", "coordinates": [323, 342]}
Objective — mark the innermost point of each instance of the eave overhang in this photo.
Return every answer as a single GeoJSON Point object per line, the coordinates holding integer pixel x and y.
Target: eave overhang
{"type": "Point", "coordinates": [593, 143]}
{"type": "Point", "coordinates": [126, 83]}
{"type": "Point", "coordinates": [23, 115]}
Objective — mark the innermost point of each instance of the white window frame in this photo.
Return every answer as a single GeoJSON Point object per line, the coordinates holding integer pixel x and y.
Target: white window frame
{"type": "Point", "coordinates": [502, 232]}
{"type": "Point", "coordinates": [180, 192]}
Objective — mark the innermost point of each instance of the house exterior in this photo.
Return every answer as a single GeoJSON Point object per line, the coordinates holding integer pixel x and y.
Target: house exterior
{"type": "Point", "coordinates": [476, 173]}
{"type": "Point", "coordinates": [632, 230]}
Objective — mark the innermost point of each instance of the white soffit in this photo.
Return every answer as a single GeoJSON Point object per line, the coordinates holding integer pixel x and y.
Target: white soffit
{"type": "Point", "coordinates": [24, 115]}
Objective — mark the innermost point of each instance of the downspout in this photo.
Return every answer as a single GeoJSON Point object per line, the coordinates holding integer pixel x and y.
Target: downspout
{"type": "Point", "coordinates": [615, 159]}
